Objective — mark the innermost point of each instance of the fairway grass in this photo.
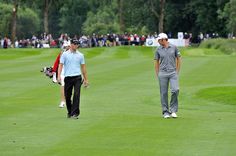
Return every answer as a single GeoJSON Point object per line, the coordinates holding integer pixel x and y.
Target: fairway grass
{"type": "Point", "coordinates": [120, 111]}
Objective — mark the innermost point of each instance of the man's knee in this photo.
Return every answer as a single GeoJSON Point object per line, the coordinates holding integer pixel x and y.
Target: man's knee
{"type": "Point", "coordinates": [175, 91]}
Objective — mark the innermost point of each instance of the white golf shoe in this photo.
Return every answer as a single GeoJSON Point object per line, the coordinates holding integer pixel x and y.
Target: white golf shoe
{"type": "Point", "coordinates": [173, 115]}
{"type": "Point", "coordinates": [62, 104]}
{"type": "Point", "coordinates": [166, 116]}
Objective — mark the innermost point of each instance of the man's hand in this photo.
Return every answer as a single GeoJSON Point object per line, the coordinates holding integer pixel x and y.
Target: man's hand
{"type": "Point", "coordinates": [86, 83]}
{"type": "Point", "coordinates": [157, 66]}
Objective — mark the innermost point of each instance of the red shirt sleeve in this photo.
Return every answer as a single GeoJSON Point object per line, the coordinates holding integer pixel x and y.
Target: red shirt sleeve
{"type": "Point", "coordinates": [56, 63]}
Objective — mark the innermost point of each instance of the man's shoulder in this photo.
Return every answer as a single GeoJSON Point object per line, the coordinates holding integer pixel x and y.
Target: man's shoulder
{"type": "Point", "coordinates": [79, 53]}
{"type": "Point", "coordinates": [66, 52]}
{"type": "Point", "coordinates": [172, 45]}
{"type": "Point", "coordinates": [159, 48]}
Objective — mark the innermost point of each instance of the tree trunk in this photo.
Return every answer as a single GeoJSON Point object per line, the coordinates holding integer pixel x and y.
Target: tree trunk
{"type": "Point", "coordinates": [121, 15]}
{"type": "Point", "coordinates": [45, 19]}
{"type": "Point", "coordinates": [161, 16]}
{"type": "Point", "coordinates": [153, 10]}
{"type": "Point", "coordinates": [14, 18]}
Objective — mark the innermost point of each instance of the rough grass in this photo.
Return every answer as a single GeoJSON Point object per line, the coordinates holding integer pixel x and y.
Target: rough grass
{"type": "Point", "coordinates": [226, 46]}
{"type": "Point", "coordinates": [120, 112]}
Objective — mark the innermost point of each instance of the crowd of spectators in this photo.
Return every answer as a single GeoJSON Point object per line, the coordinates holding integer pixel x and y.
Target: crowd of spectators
{"type": "Point", "coordinates": [47, 41]}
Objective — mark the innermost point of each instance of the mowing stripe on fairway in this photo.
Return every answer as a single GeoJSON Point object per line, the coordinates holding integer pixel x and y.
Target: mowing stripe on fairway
{"type": "Point", "coordinates": [121, 111]}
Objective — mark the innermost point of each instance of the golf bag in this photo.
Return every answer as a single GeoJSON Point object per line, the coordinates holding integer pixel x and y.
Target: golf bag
{"type": "Point", "coordinates": [51, 72]}
{"type": "Point", "coordinates": [47, 71]}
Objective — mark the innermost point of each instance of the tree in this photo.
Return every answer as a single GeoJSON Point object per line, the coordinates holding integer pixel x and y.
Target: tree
{"type": "Point", "coordinates": [73, 15]}
{"type": "Point", "coordinates": [14, 18]}
{"type": "Point", "coordinates": [138, 17]}
{"type": "Point", "coordinates": [103, 22]}
{"type": "Point", "coordinates": [47, 4]}
{"type": "Point", "coordinates": [232, 18]}
{"type": "Point", "coordinates": [160, 15]}
{"type": "Point", "coordinates": [195, 16]}
{"type": "Point", "coordinates": [118, 16]}
{"type": "Point", "coordinates": [5, 22]}
{"type": "Point", "coordinates": [121, 15]}
{"type": "Point", "coordinates": [48, 11]}
{"type": "Point", "coordinates": [28, 23]}
{"type": "Point", "coordinates": [229, 14]}
{"type": "Point", "coordinates": [180, 17]}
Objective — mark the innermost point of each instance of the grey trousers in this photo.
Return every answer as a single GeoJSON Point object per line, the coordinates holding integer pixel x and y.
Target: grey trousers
{"type": "Point", "coordinates": [166, 78]}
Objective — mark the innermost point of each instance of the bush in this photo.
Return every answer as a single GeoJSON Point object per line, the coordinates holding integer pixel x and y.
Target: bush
{"type": "Point", "coordinates": [227, 46]}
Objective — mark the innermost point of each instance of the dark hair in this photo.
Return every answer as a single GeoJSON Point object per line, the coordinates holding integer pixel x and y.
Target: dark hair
{"type": "Point", "coordinates": [74, 41]}
{"type": "Point", "coordinates": [164, 39]}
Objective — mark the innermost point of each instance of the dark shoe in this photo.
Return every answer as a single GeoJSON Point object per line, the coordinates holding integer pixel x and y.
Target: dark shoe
{"type": "Point", "coordinates": [68, 116]}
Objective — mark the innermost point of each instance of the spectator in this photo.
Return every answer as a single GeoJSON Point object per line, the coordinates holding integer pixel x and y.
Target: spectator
{"type": "Point", "coordinates": [143, 40]}
{"type": "Point", "coordinates": [2, 43]}
{"type": "Point", "coordinates": [16, 44]}
{"type": "Point", "coordinates": [5, 43]}
{"type": "Point", "coordinates": [186, 39]}
{"type": "Point", "coordinates": [53, 44]}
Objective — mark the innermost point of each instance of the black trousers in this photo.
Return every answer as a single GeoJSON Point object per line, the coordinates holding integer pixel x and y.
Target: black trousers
{"type": "Point", "coordinates": [73, 82]}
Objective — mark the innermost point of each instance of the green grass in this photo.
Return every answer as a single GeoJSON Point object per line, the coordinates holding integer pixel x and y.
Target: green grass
{"type": "Point", "coordinates": [121, 111]}
{"type": "Point", "coordinates": [225, 94]}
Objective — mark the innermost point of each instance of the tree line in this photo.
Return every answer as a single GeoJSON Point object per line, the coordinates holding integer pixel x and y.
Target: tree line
{"type": "Point", "coordinates": [23, 18]}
